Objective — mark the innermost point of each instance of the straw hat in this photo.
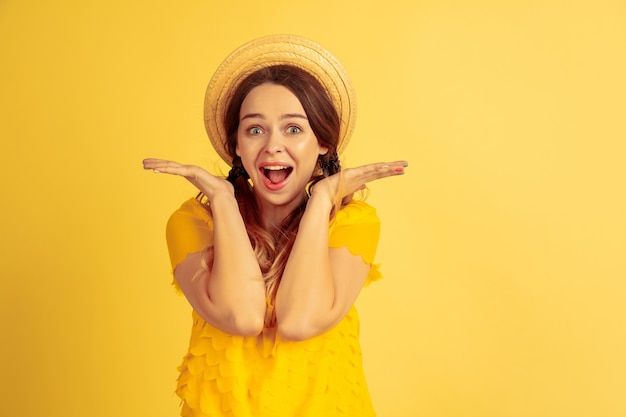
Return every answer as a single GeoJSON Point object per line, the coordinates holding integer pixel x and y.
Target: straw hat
{"type": "Point", "coordinates": [277, 50]}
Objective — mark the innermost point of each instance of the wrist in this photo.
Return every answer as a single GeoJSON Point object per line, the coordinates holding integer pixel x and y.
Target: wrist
{"type": "Point", "coordinates": [320, 202]}
{"type": "Point", "coordinates": [223, 200]}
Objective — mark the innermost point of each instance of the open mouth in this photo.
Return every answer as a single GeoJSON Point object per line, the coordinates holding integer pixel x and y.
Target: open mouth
{"type": "Point", "coordinates": [276, 173]}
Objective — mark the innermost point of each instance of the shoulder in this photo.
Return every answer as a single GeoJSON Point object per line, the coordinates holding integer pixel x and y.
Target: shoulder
{"type": "Point", "coordinates": [357, 228]}
{"type": "Point", "coordinates": [191, 211]}
{"type": "Point", "coordinates": [194, 208]}
{"type": "Point", "coordinates": [355, 212]}
{"type": "Point", "coordinates": [189, 229]}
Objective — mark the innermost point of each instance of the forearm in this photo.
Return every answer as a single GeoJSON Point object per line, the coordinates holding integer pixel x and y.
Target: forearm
{"type": "Point", "coordinates": [236, 287]}
{"type": "Point", "coordinates": [306, 295]}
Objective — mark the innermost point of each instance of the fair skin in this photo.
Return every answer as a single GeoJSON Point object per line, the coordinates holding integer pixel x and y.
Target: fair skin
{"type": "Point", "coordinates": [275, 135]}
{"type": "Point", "coordinates": [279, 151]}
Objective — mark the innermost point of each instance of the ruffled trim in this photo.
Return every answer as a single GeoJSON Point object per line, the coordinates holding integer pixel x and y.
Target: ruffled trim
{"type": "Point", "coordinates": [374, 274]}
{"type": "Point", "coordinates": [360, 241]}
{"type": "Point", "coordinates": [224, 375]}
{"type": "Point", "coordinates": [177, 289]}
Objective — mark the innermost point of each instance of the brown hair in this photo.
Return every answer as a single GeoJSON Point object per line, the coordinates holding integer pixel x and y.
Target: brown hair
{"type": "Point", "coordinates": [272, 247]}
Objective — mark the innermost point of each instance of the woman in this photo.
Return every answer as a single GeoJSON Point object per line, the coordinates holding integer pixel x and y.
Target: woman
{"type": "Point", "coordinates": [273, 257]}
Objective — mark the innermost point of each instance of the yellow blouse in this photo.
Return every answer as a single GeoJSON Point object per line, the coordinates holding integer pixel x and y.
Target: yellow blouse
{"type": "Point", "coordinates": [265, 375]}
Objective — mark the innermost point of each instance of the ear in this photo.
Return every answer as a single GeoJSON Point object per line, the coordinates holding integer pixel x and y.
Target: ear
{"type": "Point", "coordinates": [323, 149]}
{"type": "Point", "coordinates": [237, 150]}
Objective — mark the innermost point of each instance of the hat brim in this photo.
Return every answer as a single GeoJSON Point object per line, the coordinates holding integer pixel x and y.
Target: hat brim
{"type": "Point", "coordinates": [277, 50]}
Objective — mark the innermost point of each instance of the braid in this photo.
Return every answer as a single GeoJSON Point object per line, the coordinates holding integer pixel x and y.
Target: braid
{"type": "Point", "coordinates": [236, 172]}
{"type": "Point", "coordinates": [329, 164]}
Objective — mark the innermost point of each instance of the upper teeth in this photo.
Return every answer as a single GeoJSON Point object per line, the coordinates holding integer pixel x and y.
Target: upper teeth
{"type": "Point", "coordinates": [275, 167]}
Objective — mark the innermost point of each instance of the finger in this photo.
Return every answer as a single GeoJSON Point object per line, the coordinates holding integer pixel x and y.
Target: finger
{"type": "Point", "coordinates": [165, 166]}
{"type": "Point", "coordinates": [371, 172]}
{"type": "Point", "coordinates": [383, 169]}
{"type": "Point", "coordinates": [151, 163]}
{"type": "Point", "coordinates": [396, 166]}
{"type": "Point", "coordinates": [402, 163]}
{"type": "Point", "coordinates": [160, 163]}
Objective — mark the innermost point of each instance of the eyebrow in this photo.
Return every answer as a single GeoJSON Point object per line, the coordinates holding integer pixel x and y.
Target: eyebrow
{"type": "Point", "coordinates": [284, 116]}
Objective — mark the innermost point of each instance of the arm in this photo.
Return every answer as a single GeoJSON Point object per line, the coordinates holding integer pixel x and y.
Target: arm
{"type": "Point", "coordinates": [319, 285]}
{"type": "Point", "coordinates": [230, 294]}
{"type": "Point", "coordinates": [237, 287]}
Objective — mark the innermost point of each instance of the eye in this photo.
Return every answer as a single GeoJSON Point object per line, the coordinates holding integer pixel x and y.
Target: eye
{"type": "Point", "coordinates": [255, 131]}
{"type": "Point", "coordinates": [293, 129]}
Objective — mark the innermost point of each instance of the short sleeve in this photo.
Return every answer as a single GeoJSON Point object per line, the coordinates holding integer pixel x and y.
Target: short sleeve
{"type": "Point", "coordinates": [189, 229]}
{"type": "Point", "coordinates": [357, 228]}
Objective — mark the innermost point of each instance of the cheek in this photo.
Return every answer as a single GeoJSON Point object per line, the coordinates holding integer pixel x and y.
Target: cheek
{"type": "Point", "coordinates": [237, 147]}
{"type": "Point", "coordinates": [243, 149]}
{"type": "Point", "coordinates": [248, 155]}
{"type": "Point", "coordinates": [311, 156]}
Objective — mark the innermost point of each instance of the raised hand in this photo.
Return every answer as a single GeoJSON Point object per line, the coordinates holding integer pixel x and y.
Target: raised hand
{"type": "Point", "coordinates": [209, 184]}
{"type": "Point", "coordinates": [351, 180]}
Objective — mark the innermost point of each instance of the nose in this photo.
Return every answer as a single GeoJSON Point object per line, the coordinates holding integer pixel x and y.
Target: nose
{"type": "Point", "coordinates": [274, 143]}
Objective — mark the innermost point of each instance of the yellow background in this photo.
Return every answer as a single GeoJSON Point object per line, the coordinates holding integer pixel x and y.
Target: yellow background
{"type": "Point", "coordinates": [502, 246]}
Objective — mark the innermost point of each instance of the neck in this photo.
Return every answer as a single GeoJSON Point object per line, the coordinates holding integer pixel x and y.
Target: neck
{"type": "Point", "coordinates": [274, 215]}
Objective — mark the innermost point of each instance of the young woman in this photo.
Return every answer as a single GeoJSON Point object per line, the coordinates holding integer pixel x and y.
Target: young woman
{"type": "Point", "coordinates": [273, 257]}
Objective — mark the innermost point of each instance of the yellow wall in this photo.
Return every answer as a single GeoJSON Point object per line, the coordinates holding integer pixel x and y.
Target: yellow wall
{"type": "Point", "coordinates": [503, 246]}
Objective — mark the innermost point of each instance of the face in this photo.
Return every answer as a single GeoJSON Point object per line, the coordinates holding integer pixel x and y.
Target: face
{"type": "Point", "coordinates": [277, 146]}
